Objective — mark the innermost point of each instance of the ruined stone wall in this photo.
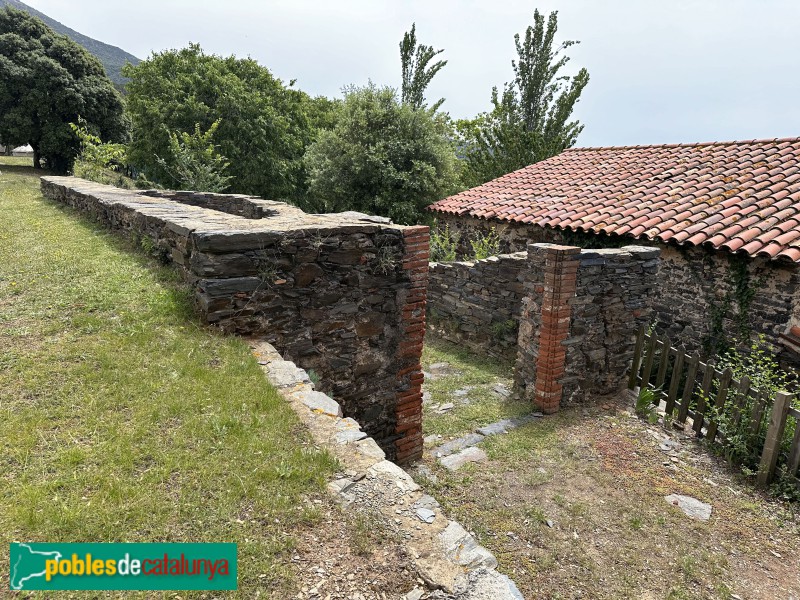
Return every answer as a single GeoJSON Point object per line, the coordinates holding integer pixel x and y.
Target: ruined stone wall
{"type": "Point", "coordinates": [579, 321]}
{"type": "Point", "coordinates": [478, 303]}
{"type": "Point", "coordinates": [698, 303]}
{"type": "Point", "coordinates": [343, 296]}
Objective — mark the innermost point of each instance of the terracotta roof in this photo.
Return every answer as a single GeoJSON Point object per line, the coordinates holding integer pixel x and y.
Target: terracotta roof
{"type": "Point", "coordinates": [738, 196]}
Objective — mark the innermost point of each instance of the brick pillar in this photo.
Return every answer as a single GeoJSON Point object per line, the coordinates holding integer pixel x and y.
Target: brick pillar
{"type": "Point", "coordinates": [560, 275]}
{"type": "Point", "coordinates": [409, 352]}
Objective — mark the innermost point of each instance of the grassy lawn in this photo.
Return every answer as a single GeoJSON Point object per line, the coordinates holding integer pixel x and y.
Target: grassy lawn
{"type": "Point", "coordinates": [573, 506]}
{"type": "Point", "coordinates": [121, 417]}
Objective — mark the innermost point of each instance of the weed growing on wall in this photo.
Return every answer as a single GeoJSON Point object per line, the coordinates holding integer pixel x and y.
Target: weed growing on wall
{"type": "Point", "coordinates": [485, 244]}
{"type": "Point", "coordinates": [443, 244]}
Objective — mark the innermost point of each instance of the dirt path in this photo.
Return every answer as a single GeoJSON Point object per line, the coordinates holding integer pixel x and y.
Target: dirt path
{"type": "Point", "coordinates": [573, 505]}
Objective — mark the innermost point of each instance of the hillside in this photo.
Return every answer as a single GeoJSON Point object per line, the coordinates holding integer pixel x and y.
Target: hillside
{"type": "Point", "coordinates": [113, 58]}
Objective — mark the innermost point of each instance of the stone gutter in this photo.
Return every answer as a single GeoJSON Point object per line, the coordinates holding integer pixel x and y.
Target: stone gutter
{"type": "Point", "coordinates": [446, 557]}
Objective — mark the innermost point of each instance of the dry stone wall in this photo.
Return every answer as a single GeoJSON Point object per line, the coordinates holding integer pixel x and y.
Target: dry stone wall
{"type": "Point", "coordinates": [579, 319]}
{"type": "Point", "coordinates": [343, 296]}
{"type": "Point", "coordinates": [478, 303]}
{"type": "Point", "coordinates": [702, 298]}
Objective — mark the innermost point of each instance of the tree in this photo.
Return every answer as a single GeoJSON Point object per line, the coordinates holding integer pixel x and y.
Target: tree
{"type": "Point", "coordinates": [264, 126]}
{"type": "Point", "coordinates": [416, 72]}
{"type": "Point", "coordinates": [530, 119]}
{"type": "Point", "coordinates": [47, 82]}
{"type": "Point", "coordinates": [382, 157]}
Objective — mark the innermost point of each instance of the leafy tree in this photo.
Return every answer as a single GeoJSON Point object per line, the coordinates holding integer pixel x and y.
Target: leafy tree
{"type": "Point", "coordinates": [530, 119]}
{"type": "Point", "coordinates": [47, 82]}
{"type": "Point", "coordinates": [383, 158]}
{"type": "Point", "coordinates": [263, 126]}
{"type": "Point", "coordinates": [194, 163]}
{"type": "Point", "coordinates": [417, 74]}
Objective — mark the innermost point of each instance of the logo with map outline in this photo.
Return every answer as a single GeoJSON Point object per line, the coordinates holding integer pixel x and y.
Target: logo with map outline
{"type": "Point", "coordinates": [123, 566]}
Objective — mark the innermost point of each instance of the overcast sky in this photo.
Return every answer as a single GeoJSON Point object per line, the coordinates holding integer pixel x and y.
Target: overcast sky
{"type": "Point", "coordinates": [661, 72]}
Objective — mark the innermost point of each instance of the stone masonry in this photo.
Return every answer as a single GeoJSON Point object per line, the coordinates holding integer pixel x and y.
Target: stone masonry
{"type": "Point", "coordinates": [341, 295]}
{"type": "Point", "coordinates": [579, 319]}
{"type": "Point", "coordinates": [478, 303]}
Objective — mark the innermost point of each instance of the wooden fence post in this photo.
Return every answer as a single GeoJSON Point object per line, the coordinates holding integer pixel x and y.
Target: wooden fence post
{"type": "Point", "coordinates": [772, 446]}
{"type": "Point", "coordinates": [637, 358]}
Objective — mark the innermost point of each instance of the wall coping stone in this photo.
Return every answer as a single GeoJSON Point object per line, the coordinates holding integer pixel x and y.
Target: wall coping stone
{"type": "Point", "coordinates": [445, 555]}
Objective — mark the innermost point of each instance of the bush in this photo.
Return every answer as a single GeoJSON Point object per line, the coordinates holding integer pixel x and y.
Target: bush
{"type": "Point", "coordinates": [97, 161]}
{"type": "Point", "coordinates": [443, 244]}
{"type": "Point", "coordinates": [485, 245]}
{"type": "Point", "coordinates": [194, 162]}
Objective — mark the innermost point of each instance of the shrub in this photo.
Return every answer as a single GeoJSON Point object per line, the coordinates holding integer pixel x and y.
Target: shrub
{"type": "Point", "coordinates": [443, 244]}
{"type": "Point", "coordinates": [485, 245]}
{"type": "Point", "coordinates": [97, 161]}
{"type": "Point", "coordinates": [194, 162]}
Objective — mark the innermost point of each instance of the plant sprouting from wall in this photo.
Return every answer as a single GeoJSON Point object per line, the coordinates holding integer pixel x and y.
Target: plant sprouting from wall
{"type": "Point", "coordinates": [98, 161]}
{"type": "Point", "coordinates": [485, 244]}
{"type": "Point", "coordinates": [444, 244]}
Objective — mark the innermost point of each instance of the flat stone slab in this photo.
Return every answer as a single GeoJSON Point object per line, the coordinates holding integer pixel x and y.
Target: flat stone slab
{"type": "Point", "coordinates": [691, 506]}
{"type": "Point", "coordinates": [389, 470]}
{"type": "Point", "coordinates": [461, 548]}
{"type": "Point", "coordinates": [284, 373]}
{"type": "Point", "coordinates": [487, 584]}
{"type": "Point", "coordinates": [349, 435]}
{"type": "Point", "coordinates": [455, 461]}
{"type": "Point", "coordinates": [319, 402]}
{"type": "Point", "coordinates": [507, 425]}
{"type": "Point", "coordinates": [458, 444]}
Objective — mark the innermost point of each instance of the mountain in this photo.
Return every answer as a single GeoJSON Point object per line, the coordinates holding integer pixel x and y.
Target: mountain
{"type": "Point", "coordinates": [113, 58]}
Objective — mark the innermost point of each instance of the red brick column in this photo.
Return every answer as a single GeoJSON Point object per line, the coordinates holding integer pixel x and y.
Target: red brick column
{"type": "Point", "coordinates": [560, 275]}
{"type": "Point", "coordinates": [409, 352]}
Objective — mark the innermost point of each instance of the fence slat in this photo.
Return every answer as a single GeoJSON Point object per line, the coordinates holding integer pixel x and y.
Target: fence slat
{"type": "Point", "coordinates": [648, 361]}
{"type": "Point", "coordinates": [741, 398]}
{"type": "Point", "coordinates": [772, 446]}
{"type": "Point", "coordinates": [688, 388]}
{"type": "Point", "coordinates": [675, 381]}
{"type": "Point", "coordinates": [699, 412]}
{"type": "Point", "coordinates": [794, 455]}
{"type": "Point", "coordinates": [666, 346]}
{"type": "Point", "coordinates": [757, 413]}
{"type": "Point", "coordinates": [637, 358]}
{"type": "Point", "coordinates": [719, 402]}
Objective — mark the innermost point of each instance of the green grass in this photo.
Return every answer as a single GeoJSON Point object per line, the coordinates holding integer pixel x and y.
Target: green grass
{"type": "Point", "coordinates": [468, 370]}
{"type": "Point", "coordinates": [121, 417]}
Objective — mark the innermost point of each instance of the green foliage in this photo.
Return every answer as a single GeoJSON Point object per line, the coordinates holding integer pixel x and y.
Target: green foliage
{"type": "Point", "coordinates": [443, 244]}
{"type": "Point", "coordinates": [530, 118]}
{"type": "Point", "coordinates": [194, 163]}
{"type": "Point", "coordinates": [382, 157]}
{"type": "Point", "coordinates": [46, 82]}
{"type": "Point", "coordinates": [264, 126]}
{"type": "Point", "coordinates": [645, 401]}
{"type": "Point", "coordinates": [485, 244]}
{"type": "Point", "coordinates": [417, 75]}
{"type": "Point", "coordinates": [743, 442]}
{"type": "Point", "coordinates": [98, 161]}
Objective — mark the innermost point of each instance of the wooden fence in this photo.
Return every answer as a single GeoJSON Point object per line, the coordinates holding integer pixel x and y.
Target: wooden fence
{"type": "Point", "coordinates": [719, 405]}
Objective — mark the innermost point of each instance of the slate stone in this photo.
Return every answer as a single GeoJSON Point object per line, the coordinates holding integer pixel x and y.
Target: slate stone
{"type": "Point", "coordinates": [284, 373]}
{"type": "Point", "coordinates": [460, 547]}
{"type": "Point", "coordinates": [693, 507]}
{"type": "Point", "coordinates": [458, 444]}
{"type": "Point", "coordinates": [319, 402]}
{"type": "Point", "coordinates": [455, 461]}
{"type": "Point", "coordinates": [426, 515]}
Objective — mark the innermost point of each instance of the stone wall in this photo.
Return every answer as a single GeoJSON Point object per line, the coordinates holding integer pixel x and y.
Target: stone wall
{"type": "Point", "coordinates": [478, 303]}
{"type": "Point", "coordinates": [579, 320]}
{"type": "Point", "coordinates": [697, 303]}
{"type": "Point", "coordinates": [343, 296]}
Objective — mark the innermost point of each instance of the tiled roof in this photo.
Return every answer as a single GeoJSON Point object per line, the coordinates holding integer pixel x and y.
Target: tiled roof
{"type": "Point", "coordinates": [739, 196]}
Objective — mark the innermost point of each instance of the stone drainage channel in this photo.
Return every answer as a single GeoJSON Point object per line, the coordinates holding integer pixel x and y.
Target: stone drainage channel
{"type": "Point", "coordinates": [446, 557]}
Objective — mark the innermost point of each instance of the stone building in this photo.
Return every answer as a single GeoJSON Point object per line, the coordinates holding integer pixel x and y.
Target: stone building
{"type": "Point", "coordinates": [726, 217]}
